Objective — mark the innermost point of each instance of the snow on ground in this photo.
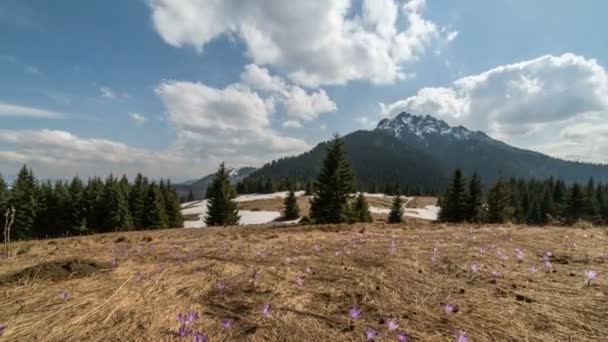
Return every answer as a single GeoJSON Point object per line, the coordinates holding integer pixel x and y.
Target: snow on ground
{"type": "Point", "coordinates": [429, 212]}
{"type": "Point", "coordinates": [256, 197]}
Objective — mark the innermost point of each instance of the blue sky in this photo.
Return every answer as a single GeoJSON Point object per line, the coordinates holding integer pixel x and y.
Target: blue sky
{"type": "Point", "coordinates": [172, 87]}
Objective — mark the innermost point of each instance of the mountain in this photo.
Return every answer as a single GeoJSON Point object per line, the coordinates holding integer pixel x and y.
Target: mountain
{"type": "Point", "coordinates": [199, 187]}
{"type": "Point", "coordinates": [422, 151]}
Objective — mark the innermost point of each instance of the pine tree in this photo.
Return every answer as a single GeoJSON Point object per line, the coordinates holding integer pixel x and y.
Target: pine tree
{"type": "Point", "coordinates": [474, 199]}
{"type": "Point", "coordinates": [4, 195]}
{"type": "Point", "coordinates": [576, 205]}
{"type": "Point", "coordinates": [190, 197]}
{"type": "Point", "coordinates": [24, 199]}
{"type": "Point", "coordinates": [172, 206]}
{"type": "Point", "coordinates": [155, 215]}
{"type": "Point", "coordinates": [291, 211]}
{"type": "Point", "coordinates": [222, 209]}
{"type": "Point", "coordinates": [360, 211]}
{"type": "Point", "coordinates": [333, 186]}
{"type": "Point", "coordinates": [76, 211]}
{"type": "Point", "coordinates": [94, 204]}
{"type": "Point", "coordinates": [547, 207]}
{"type": "Point", "coordinates": [454, 202]}
{"type": "Point", "coordinates": [499, 203]}
{"type": "Point", "coordinates": [396, 213]}
{"type": "Point", "coordinates": [116, 207]}
{"type": "Point", "coordinates": [137, 199]}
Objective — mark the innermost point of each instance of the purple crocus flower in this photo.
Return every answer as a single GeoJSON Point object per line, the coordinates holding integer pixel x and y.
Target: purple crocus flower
{"type": "Point", "coordinates": [355, 312]}
{"type": "Point", "coordinates": [228, 323]}
{"type": "Point", "coordinates": [392, 324]}
{"type": "Point", "coordinates": [266, 310]}
{"type": "Point", "coordinates": [533, 269]}
{"type": "Point", "coordinates": [371, 334]}
{"type": "Point", "coordinates": [181, 318]}
{"type": "Point", "coordinates": [548, 264]}
{"type": "Point", "coordinates": [191, 316]}
{"type": "Point", "coordinates": [496, 274]}
{"type": "Point", "coordinates": [475, 268]}
{"type": "Point", "coordinates": [114, 263]}
{"type": "Point", "coordinates": [590, 275]}
{"type": "Point", "coordinates": [449, 308]}
{"type": "Point", "coordinates": [461, 336]}
{"type": "Point", "coordinates": [402, 337]}
{"type": "Point", "coordinates": [308, 269]}
{"type": "Point", "coordinates": [2, 327]}
{"type": "Point", "coordinates": [317, 247]}
{"type": "Point", "coordinates": [300, 281]}
{"type": "Point", "coordinates": [64, 295]}
{"type": "Point", "coordinates": [519, 254]}
{"type": "Point", "coordinates": [184, 330]}
{"type": "Point", "coordinates": [200, 337]}
{"type": "Point", "coordinates": [221, 285]}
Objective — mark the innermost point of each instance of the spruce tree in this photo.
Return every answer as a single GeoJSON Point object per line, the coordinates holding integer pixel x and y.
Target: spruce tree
{"type": "Point", "coordinates": [454, 202]}
{"type": "Point", "coordinates": [190, 197]}
{"type": "Point", "coordinates": [4, 195]}
{"type": "Point", "coordinates": [76, 211]}
{"type": "Point", "coordinates": [137, 199]}
{"type": "Point", "coordinates": [499, 203]}
{"type": "Point", "coordinates": [291, 211]}
{"type": "Point", "coordinates": [396, 213]}
{"type": "Point", "coordinates": [547, 207]}
{"type": "Point", "coordinates": [222, 209]}
{"type": "Point", "coordinates": [474, 199]}
{"type": "Point", "coordinates": [116, 207]}
{"type": "Point", "coordinates": [576, 205]}
{"type": "Point", "coordinates": [155, 215]}
{"type": "Point", "coordinates": [360, 211]}
{"type": "Point", "coordinates": [172, 206]}
{"type": "Point", "coordinates": [24, 199]}
{"type": "Point", "coordinates": [333, 186]}
{"type": "Point", "coordinates": [95, 206]}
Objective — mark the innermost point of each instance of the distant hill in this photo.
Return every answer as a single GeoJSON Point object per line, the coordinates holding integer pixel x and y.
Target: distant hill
{"type": "Point", "coordinates": [421, 151]}
{"type": "Point", "coordinates": [199, 187]}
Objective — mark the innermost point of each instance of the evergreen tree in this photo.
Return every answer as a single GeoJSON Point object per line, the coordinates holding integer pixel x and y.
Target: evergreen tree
{"type": "Point", "coordinates": [116, 207]}
{"type": "Point", "coordinates": [222, 209]}
{"type": "Point", "coordinates": [155, 215]}
{"type": "Point", "coordinates": [24, 199]}
{"type": "Point", "coordinates": [75, 210]}
{"type": "Point", "coordinates": [94, 197]}
{"type": "Point", "coordinates": [576, 205]}
{"type": "Point", "coordinates": [333, 186]}
{"type": "Point", "coordinates": [360, 210]}
{"type": "Point", "coordinates": [499, 203]}
{"type": "Point", "coordinates": [4, 195]}
{"type": "Point", "coordinates": [396, 213]}
{"type": "Point", "coordinates": [190, 197]}
{"type": "Point", "coordinates": [547, 206]}
{"type": "Point", "coordinates": [172, 206]}
{"type": "Point", "coordinates": [291, 211]}
{"type": "Point", "coordinates": [309, 189]}
{"type": "Point", "coordinates": [474, 200]}
{"type": "Point", "coordinates": [454, 202]}
{"type": "Point", "coordinates": [137, 199]}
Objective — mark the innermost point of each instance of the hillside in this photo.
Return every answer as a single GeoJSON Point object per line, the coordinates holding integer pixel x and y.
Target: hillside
{"type": "Point", "coordinates": [131, 286]}
{"type": "Point", "coordinates": [421, 151]}
{"type": "Point", "coordinates": [199, 187]}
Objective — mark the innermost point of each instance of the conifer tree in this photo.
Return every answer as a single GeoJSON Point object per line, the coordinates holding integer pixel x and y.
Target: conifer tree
{"type": "Point", "coordinates": [360, 210]}
{"type": "Point", "coordinates": [190, 197]}
{"type": "Point", "coordinates": [547, 206]}
{"type": "Point", "coordinates": [116, 207]}
{"type": "Point", "coordinates": [75, 210]}
{"type": "Point", "coordinates": [155, 215]}
{"type": "Point", "coordinates": [576, 206]}
{"type": "Point", "coordinates": [172, 206]}
{"type": "Point", "coordinates": [333, 186]}
{"type": "Point", "coordinates": [499, 203]}
{"type": "Point", "coordinates": [291, 211]}
{"type": "Point", "coordinates": [396, 213]}
{"type": "Point", "coordinates": [95, 206]}
{"type": "Point", "coordinates": [137, 199]}
{"type": "Point", "coordinates": [454, 202]}
{"type": "Point", "coordinates": [24, 199]}
{"type": "Point", "coordinates": [4, 194]}
{"type": "Point", "coordinates": [474, 200]}
{"type": "Point", "coordinates": [222, 209]}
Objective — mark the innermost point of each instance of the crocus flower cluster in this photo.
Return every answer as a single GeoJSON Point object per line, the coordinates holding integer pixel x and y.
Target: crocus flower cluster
{"type": "Point", "coordinates": [189, 318]}
{"type": "Point", "coordinates": [402, 337]}
{"type": "Point", "coordinates": [355, 312]}
{"type": "Point", "coordinates": [200, 337]}
{"type": "Point", "coordinates": [371, 334]}
{"type": "Point", "coordinates": [392, 324]}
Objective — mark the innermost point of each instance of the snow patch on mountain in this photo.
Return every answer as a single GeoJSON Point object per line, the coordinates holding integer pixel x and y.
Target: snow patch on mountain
{"type": "Point", "coordinates": [424, 126]}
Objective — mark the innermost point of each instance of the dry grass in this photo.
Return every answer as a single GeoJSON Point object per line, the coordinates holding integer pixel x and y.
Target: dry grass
{"type": "Point", "coordinates": [162, 273]}
{"type": "Point", "coordinates": [276, 204]}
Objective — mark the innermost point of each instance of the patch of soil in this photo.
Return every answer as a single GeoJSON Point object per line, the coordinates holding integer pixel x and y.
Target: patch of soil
{"type": "Point", "coordinates": [55, 271]}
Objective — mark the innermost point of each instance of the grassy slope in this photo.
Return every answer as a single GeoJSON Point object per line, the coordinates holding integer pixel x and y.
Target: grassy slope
{"type": "Point", "coordinates": [165, 272]}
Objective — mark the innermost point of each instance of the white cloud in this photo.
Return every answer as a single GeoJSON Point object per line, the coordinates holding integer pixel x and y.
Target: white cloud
{"type": "Point", "coordinates": [108, 93]}
{"type": "Point", "coordinates": [315, 42]}
{"type": "Point", "coordinates": [138, 119]}
{"type": "Point", "coordinates": [365, 121]}
{"type": "Point", "coordinates": [299, 104]}
{"type": "Point", "coordinates": [231, 124]}
{"type": "Point", "coordinates": [525, 103]}
{"type": "Point", "coordinates": [9, 109]}
{"type": "Point", "coordinates": [60, 154]}
{"type": "Point", "coordinates": [292, 124]}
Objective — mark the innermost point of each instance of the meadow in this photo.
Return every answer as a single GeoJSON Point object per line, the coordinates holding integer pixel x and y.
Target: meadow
{"type": "Point", "coordinates": [415, 281]}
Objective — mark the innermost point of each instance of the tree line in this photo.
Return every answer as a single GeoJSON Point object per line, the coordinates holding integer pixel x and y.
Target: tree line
{"type": "Point", "coordinates": [332, 200]}
{"type": "Point", "coordinates": [62, 208]}
{"type": "Point", "coordinates": [525, 201]}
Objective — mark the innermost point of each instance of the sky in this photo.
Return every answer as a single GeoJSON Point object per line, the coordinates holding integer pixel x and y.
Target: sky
{"type": "Point", "coordinates": [171, 88]}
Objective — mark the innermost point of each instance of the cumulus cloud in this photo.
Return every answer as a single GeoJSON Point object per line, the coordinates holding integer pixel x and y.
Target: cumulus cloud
{"type": "Point", "coordinates": [9, 109]}
{"type": "Point", "coordinates": [230, 124]}
{"type": "Point", "coordinates": [138, 119]}
{"type": "Point", "coordinates": [339, 47]}
{"type": "Point", "coordinates": [61, 154]}
{"type": "Point", "coordinates": [523, 103]}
